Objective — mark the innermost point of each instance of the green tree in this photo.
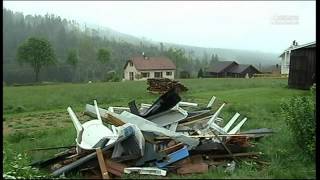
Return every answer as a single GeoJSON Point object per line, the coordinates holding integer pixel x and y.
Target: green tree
{"type": "Point", "coordinates": [178, 56]}
{"type": "Point", "coordinates": [103, 57]}
{"type": "Point", "coordinates": [200, 73]}
{"type": "Point", "coordinates": [73, 60]}
{"type": "Point", "coordinates": [37, 52]}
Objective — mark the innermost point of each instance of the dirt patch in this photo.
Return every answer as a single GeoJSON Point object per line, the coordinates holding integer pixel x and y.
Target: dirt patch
{"type": "Point", "coordinates": [42, 121]}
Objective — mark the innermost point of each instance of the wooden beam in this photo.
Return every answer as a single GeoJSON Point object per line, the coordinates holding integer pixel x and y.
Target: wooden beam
{"type": "Point", "coordinates": [113, 120]}
{"type": "Point", "coordinates": [115, 168]}
{"type": "Point", "coordinates": [235, 155]}
{"type": "Point", "coordinates": [102, 164]}
{"type": "Point", "coordinates": [194, 120]}
{"type": "Point", "coordinates": [172, 148]}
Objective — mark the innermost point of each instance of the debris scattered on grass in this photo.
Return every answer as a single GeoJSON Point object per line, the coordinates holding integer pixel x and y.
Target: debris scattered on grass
{"type": "Point", "coordinates": [169, 136]}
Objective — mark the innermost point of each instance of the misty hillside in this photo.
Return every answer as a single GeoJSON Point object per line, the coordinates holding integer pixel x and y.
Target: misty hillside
{"type": "Point", "coordinates": [241, 56]}
{"type": "Point", "coordinates": [65, 35]}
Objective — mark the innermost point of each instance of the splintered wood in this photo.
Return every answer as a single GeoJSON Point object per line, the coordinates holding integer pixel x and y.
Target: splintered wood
{"type": "Point", "coordinates": [163, 85]}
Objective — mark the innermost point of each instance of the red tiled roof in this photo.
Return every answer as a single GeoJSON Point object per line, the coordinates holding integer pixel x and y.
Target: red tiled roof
{"type": "Point", "coordinates": [152, 63]}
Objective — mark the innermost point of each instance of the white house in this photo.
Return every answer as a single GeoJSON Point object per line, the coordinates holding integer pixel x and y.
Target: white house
{"type": "Point", "coordinates": [285, 57]}
{"type": "Point", "coordinates": [143, 67]}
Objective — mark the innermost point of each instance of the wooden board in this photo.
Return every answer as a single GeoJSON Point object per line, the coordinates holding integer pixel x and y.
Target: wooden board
{"type": "Point", "coordinates": [115, 168]}
{"type": "Point", "coordinates": [173, 148]}
{"type": "Point", "coordinates": [113, 120]}
{"type": "Point", "coordinates": [102, 164]}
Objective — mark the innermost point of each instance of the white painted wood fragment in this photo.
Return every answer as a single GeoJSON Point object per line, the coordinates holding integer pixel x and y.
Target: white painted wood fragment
{"type": "Point", "coordinates": [146, 170]}
{"type": "Point", "coordinates": [215, 116]}
{"type": "Point", "coordinates": [229, 124]}
{"type": "Point", "coordinates": [97, 110]}
{"type": "Point", "coordinates": [181, 103]}
{"type": "Point", "coordinates": [238, 126]}
{"type": "Point", "coordinates": [173, 127]}
{"type": "Point", "coordinates": [211, 102]}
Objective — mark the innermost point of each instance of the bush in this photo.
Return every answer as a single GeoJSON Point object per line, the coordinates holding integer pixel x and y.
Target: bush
{"type": "Point", "coordinates": [299, 114]}
{"type": "Point", "coordinates": [112, 76]}
{"type": "Point", "coordinates": [17, 167]}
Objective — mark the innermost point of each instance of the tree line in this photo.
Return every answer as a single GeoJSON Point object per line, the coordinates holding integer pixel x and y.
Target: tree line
{"type": "Point", "coordinates": [76, 53]}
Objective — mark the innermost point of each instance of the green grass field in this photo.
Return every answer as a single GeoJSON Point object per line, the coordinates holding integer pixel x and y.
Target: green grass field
{"type": "Point", "coordinates": [36, 116]}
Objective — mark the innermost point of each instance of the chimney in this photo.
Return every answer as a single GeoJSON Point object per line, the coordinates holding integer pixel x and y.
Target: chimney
{"type": "Point", "coordinates": [295, 43]}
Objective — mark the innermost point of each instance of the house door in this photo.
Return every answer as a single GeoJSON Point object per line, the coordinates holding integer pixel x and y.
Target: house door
{"type": "Point", "coordinates": [131, 76]}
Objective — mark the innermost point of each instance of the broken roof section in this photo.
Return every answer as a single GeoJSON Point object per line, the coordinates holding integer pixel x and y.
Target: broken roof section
{"type": "Point", "coordinates": [151, 63]}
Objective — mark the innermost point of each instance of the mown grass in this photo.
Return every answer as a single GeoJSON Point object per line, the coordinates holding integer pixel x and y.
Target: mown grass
{"type": "Point", "coordinates": [44, 122]}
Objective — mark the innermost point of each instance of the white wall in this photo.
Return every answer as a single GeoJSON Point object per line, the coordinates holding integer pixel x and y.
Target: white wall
{"type": "Point", "coordinates": [285, 62]}
{"type": "Point", "coordinates": [130, 69]}
{"type": "Point", "coordinates": [151, 75]}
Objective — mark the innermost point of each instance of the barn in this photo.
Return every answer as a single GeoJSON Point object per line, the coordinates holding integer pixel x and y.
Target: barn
{"type": "Point", "coordinates": [242, 70]}
{"type": "Point", "coordinates": [302, 66]}
{"type": "Point", "coordinates": [230, 69]}
{"type": "Point", "coordinates": [219, 69]}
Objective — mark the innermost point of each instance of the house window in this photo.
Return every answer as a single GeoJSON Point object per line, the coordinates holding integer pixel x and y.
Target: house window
{"type": "Point", "coordinates": [130, 63]}
{"type": "Point", "coordinates": [131, 76]}
{"type": "Point", "coordinates": [158, 74]}
{"type": "Point", "coordinates": [145, 74]}
{"type": "Point", "coordinates": [168, 73]}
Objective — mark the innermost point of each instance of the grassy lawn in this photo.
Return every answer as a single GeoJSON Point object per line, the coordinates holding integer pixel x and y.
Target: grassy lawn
{"type": "Point", "coordinates": [36, 116]}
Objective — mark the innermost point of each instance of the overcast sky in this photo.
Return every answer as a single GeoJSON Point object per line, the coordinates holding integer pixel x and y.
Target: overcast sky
{"type": "Point", "coordinates": [268, 26]}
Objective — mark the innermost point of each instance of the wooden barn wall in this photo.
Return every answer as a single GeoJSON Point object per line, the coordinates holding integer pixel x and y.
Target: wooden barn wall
{"type": "Point", "coordinates": [302, 68]}
{"type": "Point", "coordinates": [250, 71]}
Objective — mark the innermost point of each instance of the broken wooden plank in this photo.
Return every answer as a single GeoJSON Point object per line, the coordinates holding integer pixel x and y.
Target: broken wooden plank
{"type": "Point", "coordinates": [235, 155]}
{"type": "Point", "coordinates": [115, 168]}
{"type": "Point", "coordinates": [85, 159]}
{"type": "Point", "coordinates": [193, 168]}
{"type": "Point", "coordinates": [195, 117]}
{"type": "Point", "coordinates": [194, 120]}
{"type": "Point", "coordinates": [50, 148]}
{"type": "Point", "coordinates": [161, 138]}
{"type": "Point", "coordinates": [173, 148]}
{"type": "Point", "coordinates": [102, 164]}
{"type": "Point", "coordinates": [106, 115]}
{"type": "Point", "coordinates": [112, 119]}
{"type": "Point", "coordinates": [59, 157]}
{"type": "Point", "coordinates": [145, 125]}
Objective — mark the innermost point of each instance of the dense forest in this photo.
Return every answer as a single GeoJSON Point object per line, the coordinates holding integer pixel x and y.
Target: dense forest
{"type": "Point", "coordinates": [68, 36]}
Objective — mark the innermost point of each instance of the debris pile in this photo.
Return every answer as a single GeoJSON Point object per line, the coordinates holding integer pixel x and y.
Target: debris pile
{"type": "Point", "coordinates": [168, 136]}
{"type": "Point", "coordinates": [163, 85]}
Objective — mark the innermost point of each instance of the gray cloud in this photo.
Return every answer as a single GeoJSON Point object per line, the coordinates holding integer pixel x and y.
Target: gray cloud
{"type": "Point", "coordinates": [268, 26]}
